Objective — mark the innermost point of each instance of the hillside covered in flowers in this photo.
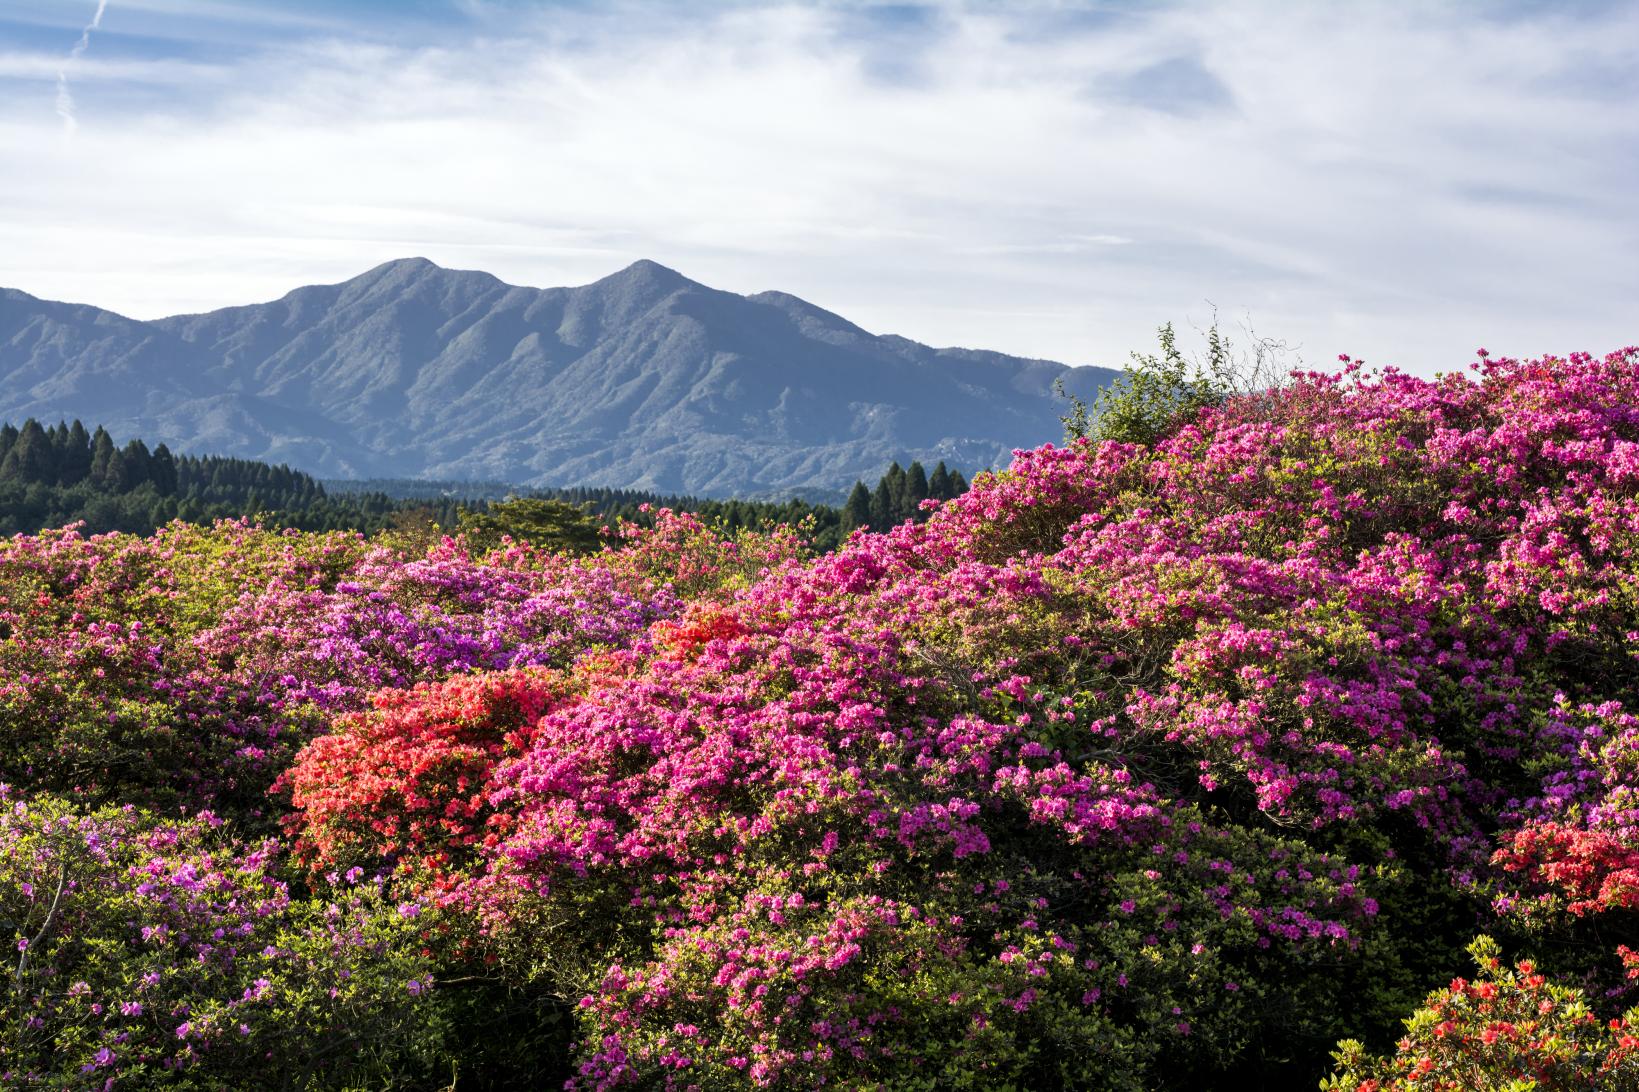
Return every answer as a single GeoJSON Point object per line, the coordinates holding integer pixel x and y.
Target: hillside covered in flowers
{"type": "Point", "coordinates": [1296, 744]}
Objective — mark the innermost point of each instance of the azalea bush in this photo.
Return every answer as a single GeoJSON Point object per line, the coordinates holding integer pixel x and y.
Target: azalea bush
{"type": "Point", "coordinates": [180, 673]}
{"type": "Point", "coordinates": [1166, 759]}
{"type": "Point", "coordinates": [186, 669]}
{"type": "Point", "coordinates": [1101, 777]}
{"type": "Point", "coordinates": [406, 781]}
{"type": "Point", "coordinates": [142, 951]}
{"type": "Point", "coordinates": [1508, 1029]}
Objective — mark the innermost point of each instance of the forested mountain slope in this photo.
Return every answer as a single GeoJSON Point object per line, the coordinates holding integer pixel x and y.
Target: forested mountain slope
{"type": "Point", "coordinates": [644, 379]}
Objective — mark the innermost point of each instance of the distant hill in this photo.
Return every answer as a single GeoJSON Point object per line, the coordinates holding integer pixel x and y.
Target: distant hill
{"type": "Point", "coordinates": [642, 380]}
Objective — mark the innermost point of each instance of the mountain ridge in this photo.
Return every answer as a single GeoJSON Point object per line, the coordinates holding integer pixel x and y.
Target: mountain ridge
{"type": "Point", "coordinates": [641, 379]}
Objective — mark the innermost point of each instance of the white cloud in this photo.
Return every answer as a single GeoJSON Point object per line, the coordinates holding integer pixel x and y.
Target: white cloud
{"type": "Point", "coordinates": [1403, 183]}
{"type": "Point", "coordinates": [65, 98]}
{"type": "Point", "coordinates": [159, 71]}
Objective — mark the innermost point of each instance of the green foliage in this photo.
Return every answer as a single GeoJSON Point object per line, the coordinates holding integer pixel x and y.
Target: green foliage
{"type": "Point", "coordinates": [1156, 392]}
{"type": "Point", "coordinates": [166, 955]}
{"type": "Point", "coordinates": [1510, 1029]}
{"type": "Point", "coordinates": [1159, 391]}
{"type": "Point", "coordinates": [547, 524]}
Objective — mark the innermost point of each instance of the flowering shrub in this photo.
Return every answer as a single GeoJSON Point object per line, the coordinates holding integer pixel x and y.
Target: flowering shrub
{"type": "Point", "coordinates": [406, 780]}
{"type": "Point", "coordinates": [1152, 763]}
{"type": "Point", "coordinates": [103, 691]}
{"type": "Point", "coordinates": [186, 669]}
{"type": "Point", "coordinates": [1119, 752]}
{"type": "Point", "coordinates": [145, 952]}
{"type": "Point", "coordinates": [1508, 1029]}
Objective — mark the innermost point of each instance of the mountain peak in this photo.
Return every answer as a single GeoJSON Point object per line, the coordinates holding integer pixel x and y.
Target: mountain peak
{"type": "Point", "coordinates": [647, 272]}
{"type": "Point", "coordinates": [651, 268]}
{"type": "Point", "coordinates": [403, 265]}
{"type": "Point", "coordinates": [403, 274]}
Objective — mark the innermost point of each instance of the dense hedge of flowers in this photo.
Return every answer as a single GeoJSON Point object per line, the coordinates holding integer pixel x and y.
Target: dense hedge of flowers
{"type": "Point", "coordinates": [143, 951]}
{"type": "Point", "coordinates": [151, 693]}
{"type": "Point", "coordinates": [1137, 766]}
{"type": "Point", "coordinates": [185, 669]}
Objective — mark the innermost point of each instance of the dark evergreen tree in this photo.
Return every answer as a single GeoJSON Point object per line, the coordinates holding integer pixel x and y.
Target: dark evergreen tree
{"type": "Point", "coordinates": [894, 479]}
{"type": "Point", "coordinates": [552, 524]}
{"type": "Point", "coordinates": [857, 512]}
{"type": "Point", "coordinates": [138, 463]}
{"type": "Point", "coordinates": [30, 458]}
{"type": "Point", "coordinates": [881, 506]}
{"type": "Point", "coordinates": [916, 488]}
{"type": "Point", "coordinates": [162, 471]}
{"type": "Point", "coordinates": [74, 460]}
{"type": "Point", "coordinates": [105, 473]}
{"type": "Point", "coordinates": [939, 483]}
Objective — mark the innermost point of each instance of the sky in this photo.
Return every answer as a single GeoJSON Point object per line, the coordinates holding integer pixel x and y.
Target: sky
{"type": "Point", "coordinates": [1402, 182]}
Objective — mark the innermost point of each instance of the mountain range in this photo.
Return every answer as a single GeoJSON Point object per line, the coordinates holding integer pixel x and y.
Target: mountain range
{"type": "Point", "coordinates": [644, 379]}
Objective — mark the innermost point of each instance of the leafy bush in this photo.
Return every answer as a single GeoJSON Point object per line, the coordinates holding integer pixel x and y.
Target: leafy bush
{"type": "Point", "coordinates": [152, 953]}
{"type": "Point", "coordinates": [1510, 1029]}
{"type": "Point", "coordinates": [550, 524]}
{"type": "Point", "coordinates": [1157, 393]}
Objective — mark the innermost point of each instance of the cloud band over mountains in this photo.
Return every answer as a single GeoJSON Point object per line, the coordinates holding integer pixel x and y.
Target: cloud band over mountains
{"type": "Point", "coordinates": [1398, 181]}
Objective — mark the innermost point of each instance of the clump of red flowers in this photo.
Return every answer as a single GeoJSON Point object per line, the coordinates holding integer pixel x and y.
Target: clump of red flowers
{"type": "Point", "coordinates": [1510, 1028]}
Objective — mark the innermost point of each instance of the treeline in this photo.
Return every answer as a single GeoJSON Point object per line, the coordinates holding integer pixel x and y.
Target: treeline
{"type": "Point", "coordinates": [602, 501]}
{"type": "Point", "coordinates": [420, 489]}
{"type": "Point", "coordinates": [899, 495]}
{"type": "Point", "coordinates": [50, 477]}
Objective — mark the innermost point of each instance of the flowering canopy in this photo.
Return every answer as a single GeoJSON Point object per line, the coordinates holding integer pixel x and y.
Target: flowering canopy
{"type": "Point", "coordinates": [1136, 766]}
{"type": "Point", "coordinates": [1188, 705]}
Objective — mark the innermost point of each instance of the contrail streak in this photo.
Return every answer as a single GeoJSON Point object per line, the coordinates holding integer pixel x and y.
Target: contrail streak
{"type": "Point", "coordinates": [65, 98]}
